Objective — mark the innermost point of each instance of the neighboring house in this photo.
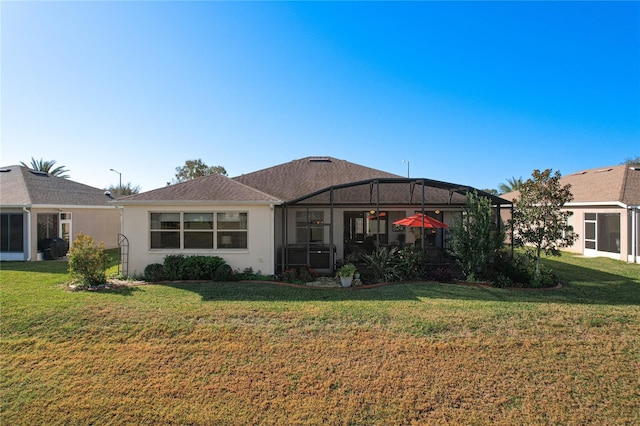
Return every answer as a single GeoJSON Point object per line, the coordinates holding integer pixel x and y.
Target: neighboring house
{"type": "Point", "coordinates": [36, 207]}
{"type": "Point", "coordinates": [605, 206]}
{"type": "Point", "coordinates": [307, 212]}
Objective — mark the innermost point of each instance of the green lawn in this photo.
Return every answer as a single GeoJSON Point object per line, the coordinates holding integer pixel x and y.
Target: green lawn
{"type": "Point", "coordinates": [251, 353]}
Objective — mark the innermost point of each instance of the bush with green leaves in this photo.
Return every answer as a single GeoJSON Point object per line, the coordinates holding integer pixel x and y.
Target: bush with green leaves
{"type": "Point", "coordinates": [154, 272]}
{"type": "Point", "coordinates": [410, 263]}
{"type": "Point", "coordinates": [223, 273]}
{"type": "Point", "coordinates": [179, 267]}
{"type": "Point", "coordinates": [383, 264]}
{"type": "Point", "coordinates": [88, 261]}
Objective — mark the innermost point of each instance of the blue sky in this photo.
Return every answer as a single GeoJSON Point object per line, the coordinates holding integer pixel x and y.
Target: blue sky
{"type": "Point", "coordinates": [466, 92]}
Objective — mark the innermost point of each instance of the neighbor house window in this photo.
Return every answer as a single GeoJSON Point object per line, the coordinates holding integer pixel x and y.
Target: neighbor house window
{"type": "Point", "coordinates": [12, 232]}
{"type": "Point", "coordinates": [310, 226]}
{"type": "Point", "coordinates": [198, 230]}
{"type": "Point", "coordinates": [602, 232]}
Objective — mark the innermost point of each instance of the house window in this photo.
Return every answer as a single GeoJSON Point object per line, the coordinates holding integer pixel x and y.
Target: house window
{"type": "Point", "coordinates": [232, 230]}
{"type": "Point", "coordinates": [602, 232]}
{"type": "Point", "coordinates": [198, 230]}
{"type": "Point", "coordinates": [12, 232]}
{"type": "Point", "coordinates": [310, 226]}
{"type": "Point", "coordinates": [165, 230]}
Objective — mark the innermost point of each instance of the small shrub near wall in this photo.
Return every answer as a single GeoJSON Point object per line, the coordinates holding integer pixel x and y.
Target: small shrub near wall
{"type": "Point", "coordinates": [154, 272]}
{"type": "Point", "coordinates": [199, 268]}
{"type": "Point", "coordinates": [88, 261]}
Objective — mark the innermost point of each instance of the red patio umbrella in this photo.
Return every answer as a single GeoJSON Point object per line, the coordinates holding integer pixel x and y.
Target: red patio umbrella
{"type": "Point", "coordinates": [420, 221]}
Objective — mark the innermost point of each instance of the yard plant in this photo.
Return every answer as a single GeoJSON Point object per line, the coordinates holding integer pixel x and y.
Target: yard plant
{"type": "Point", "coordinates": [261, 353]}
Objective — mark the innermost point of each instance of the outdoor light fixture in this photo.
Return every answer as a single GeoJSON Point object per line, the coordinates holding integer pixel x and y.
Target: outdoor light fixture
{"type": "Point", "coordinates": [120, 174]}
{"type": "Point", "coordinates": [372, 212]}
{"type": "Point", "coordinates": [437, 212]}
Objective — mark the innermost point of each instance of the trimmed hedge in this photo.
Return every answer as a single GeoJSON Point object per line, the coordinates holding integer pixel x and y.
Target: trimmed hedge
{"type": "Point", "coordinates": [178, 267]}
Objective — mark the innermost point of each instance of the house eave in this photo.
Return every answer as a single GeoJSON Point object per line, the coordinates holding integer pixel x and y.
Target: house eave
{"type": "Point", "coordinates": [195, 203]}
{"type": "Point", "coordinates": [597, 204]}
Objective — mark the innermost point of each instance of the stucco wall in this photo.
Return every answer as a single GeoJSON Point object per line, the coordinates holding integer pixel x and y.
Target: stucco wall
{"type": "Point", "coordinates": [103, 224]}
{"type": "Point", "coordinates": [258, 255]}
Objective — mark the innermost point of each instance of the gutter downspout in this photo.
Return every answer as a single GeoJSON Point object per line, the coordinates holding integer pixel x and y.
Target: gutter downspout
{"type": "Point", "coordinates": [28, 212]}
{"type": "Point", "coordinates": [634, 233]}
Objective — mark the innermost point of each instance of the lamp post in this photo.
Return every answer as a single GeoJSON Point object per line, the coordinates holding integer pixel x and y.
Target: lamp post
{"type": "Point", "coordinates": [120, 185]}
{"type": "Point", "coordinates": [407, 161]}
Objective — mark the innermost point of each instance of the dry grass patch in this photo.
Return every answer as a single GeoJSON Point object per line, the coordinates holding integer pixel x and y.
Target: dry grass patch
{"type": "Point", "coordinates": [257, 354]}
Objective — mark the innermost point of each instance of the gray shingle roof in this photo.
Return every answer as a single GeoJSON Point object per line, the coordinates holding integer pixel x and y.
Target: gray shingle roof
{"type": "Point", "coordinates": [605, 184]}
{"type": "Point", "coordinates": [20, 186]}
{"type": "Point", "coordinates": [298, 178]}
{"type": "Point", "coordinates": [214, 187]}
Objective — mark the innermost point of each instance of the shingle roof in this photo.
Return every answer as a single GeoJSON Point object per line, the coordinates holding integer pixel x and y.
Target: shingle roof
{"type": "Point", "coordinates": [304, 176]}
{"type": "Point", "coordinates": [602, 185]}
{"type": "Point", "coordinates": [20, 186]}
{"type": "Point", "coordinates": [214, 187]}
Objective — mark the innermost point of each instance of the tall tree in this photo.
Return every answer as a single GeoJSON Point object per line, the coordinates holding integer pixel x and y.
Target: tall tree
{"type": "Point", "coordinates": [539, 223]}
{"type": "Point", "coordinates": [47, 167]}
{"type": "Point", "coordinates": [127, 189]}
{"type": "Point", "coordinates": [475, 237]}
{"type": "Point", "coordinates": [511, 185]}
{"type": "Point", "coordinates": [197, 168]}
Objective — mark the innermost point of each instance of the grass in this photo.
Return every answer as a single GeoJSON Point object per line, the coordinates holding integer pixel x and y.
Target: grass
{"type": "Point", "coordinates": [252, 353]}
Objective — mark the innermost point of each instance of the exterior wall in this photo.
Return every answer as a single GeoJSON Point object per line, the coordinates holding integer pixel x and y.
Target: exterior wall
{"type": "Point", "coordinates": [103, 224]}
{"type": "Point", "coordinates": [259, 254]}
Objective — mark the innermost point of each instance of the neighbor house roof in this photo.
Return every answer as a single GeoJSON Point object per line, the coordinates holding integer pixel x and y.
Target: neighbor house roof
{"type": "Point", "coordinates": [211, 188]}
{"type": "Point", "coordinates": [23, 187]}
{"type": "Point", "coordinates": [615, 184]}
{"type": "Point", "coordinates": [298, 178]}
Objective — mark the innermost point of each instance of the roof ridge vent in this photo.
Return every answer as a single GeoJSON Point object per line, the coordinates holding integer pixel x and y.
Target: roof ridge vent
{"type": "Point", "coordinates": [604, 170]}
{"type": "Point", "coordinates": [39, 173]}
{"type": "Point", "coordinates": [320, 159]}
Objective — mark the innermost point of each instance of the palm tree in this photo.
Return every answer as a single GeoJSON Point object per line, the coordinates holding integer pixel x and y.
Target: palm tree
{"type": "Point", "coordinates": [511, 185]}
{"type": "Point", "coordinates": [47, 167]}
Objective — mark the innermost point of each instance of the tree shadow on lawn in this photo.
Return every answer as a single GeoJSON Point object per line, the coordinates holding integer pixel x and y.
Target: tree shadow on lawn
{"type": "Point", "coordinates": [600, 289]}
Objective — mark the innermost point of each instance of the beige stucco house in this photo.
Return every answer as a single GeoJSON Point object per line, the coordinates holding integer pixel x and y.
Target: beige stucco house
{"type": "Point", "coordinates": [36, 207]}
{"type": "Point", "coordinates": [606, 211]}
{"type": "Point", "coordinates": [307, 212]}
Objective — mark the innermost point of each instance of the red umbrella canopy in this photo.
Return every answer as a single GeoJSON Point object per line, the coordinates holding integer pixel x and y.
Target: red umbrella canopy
{"type": "Point", "coordinates": [418, 220]}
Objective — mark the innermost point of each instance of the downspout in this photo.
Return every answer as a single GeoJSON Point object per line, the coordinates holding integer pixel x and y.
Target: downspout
{"type": "Point", "coordinates": [634, 233]}
{"type": "Point", "coordinates": [272, 236]}
{"type": "Point", "coordinates": [28, 212]}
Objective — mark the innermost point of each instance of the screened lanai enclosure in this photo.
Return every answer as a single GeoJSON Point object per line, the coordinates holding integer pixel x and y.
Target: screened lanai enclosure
{"type": "Point", "coordinates": [336, 223]}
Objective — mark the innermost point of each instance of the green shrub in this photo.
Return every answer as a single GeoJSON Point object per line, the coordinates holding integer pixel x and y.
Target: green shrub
{"type": "Point", "coordinates": [179, 267]}
{"type": "Point", "coordinates": [223, 273]}
{"type": "Point", "coordinates": [154, 272]}
{"type": "Point", "coordinates": [173, 266]}
{"type": "Point", "coordinates": [410, 262]}
{"type": "Point", "coordinates": [383, 264]}
{"type": "Point", "coordinates": [88, 262]}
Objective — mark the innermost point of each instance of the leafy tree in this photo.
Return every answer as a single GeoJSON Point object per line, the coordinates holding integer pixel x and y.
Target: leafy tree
{"type": "Point", "coordinates": [632, 161]}
{"type": "Point", "coordinates": [127, 189]}
{"type": "Point", "coordinates": [197, 168]}
{"type": "Point", "coordinates": [538, 222]}
{"type": "Point", "coordinates": [475, 238]}
{"type": "Point", "coordinates": [511, 185]}
{"type": "Point", "coordinates": [47, 167]}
